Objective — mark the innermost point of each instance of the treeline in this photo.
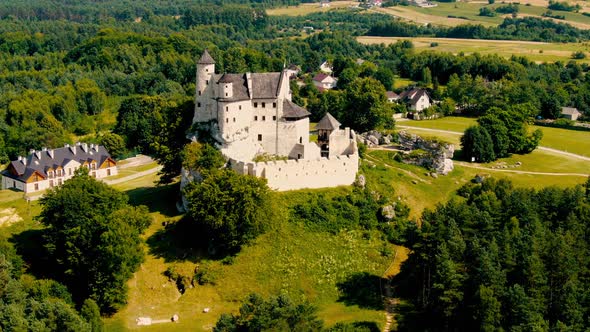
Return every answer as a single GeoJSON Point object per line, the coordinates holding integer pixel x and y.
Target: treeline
{"type": "Point", "coordinates": [501, 258]}
{"type": "Point", "coordinates": [526, 28]}
{"type": "Point", "coordinates": [126, 10]}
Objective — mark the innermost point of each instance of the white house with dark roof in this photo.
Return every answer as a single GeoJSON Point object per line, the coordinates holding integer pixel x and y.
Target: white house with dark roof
{"type": "Point", "coordinates": [324, 81]}
{"type": "Point", "coordinates": [47, 168]}
{"type": "Point", "coordinates": [416, 99]}
{"type": "Point", "coordinates": [252, 114]}
{"type": "Point", "coordinates": [570, 113]}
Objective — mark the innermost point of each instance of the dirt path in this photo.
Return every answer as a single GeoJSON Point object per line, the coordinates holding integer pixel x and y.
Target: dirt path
{"type": "Point", "coordinates": [388, 299]}
{"type": "Point", "coordinates": [542, 148]}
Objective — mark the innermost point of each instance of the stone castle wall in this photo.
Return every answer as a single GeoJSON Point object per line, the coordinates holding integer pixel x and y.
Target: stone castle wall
{"type": "Point", "coordinates": [300, 174]}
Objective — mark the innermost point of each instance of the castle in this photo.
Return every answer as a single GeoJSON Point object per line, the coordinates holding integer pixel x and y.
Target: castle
{"type": "Point", "coordinates": [252, 115]}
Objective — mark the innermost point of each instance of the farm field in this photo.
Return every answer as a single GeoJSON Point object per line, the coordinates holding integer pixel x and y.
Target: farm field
{"type": "Point", "coordinates": [308, 8]}
{"type": "Point", "coordinates": [535, 51]}
{"type": "Point", "coordinates": [456, 13]}
{"type": "Point", "coordinates": [573, 141]}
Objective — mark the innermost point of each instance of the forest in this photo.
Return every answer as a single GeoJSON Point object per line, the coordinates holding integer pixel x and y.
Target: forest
{"type": "Point", "coordinates": [121, 73]}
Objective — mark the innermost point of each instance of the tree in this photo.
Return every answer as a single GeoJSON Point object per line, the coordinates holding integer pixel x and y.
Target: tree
{"type": "Point", "coordinates": [91, 314]}
{"type": "Point", "coordinates": [476, 143]}
{"type": "Point", "coordinates": [492, 124]}
{"type": "Point", "coordinates": [203, 158]}
{"type": "Point", "coordinates": [115, 144]}
{"type": "Point", "coordinates": [367, 106]}
{"type": "Point", "coordinates": [231, 208]}
{"type": "Point", "coordinates": [93, 237]}
{"type": "Point", "coordinates": [275, 314]}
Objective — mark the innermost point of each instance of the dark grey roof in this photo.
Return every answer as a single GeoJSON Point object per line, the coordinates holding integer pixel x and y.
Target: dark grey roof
{"type": "Point", "coordinates": [265, 85]}
{"type": "Point", "coordinates": [206, 59]}
{"type": "Point", "coordinates": [413, 95]}
{"type": "Point", "coordinates": [239, 86]}
{"type": "Point", "coordinates": [328, 122]}
{"type": "Point", "coordinates": [293, 111]}
{"type": "Point", "coordinates": [42, 161]}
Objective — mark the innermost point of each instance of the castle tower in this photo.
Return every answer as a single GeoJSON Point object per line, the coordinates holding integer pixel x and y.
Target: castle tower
{"type": "Point", "coordinates": [205, 70]}
{"type": "Point", "coordinates": [325, 127]}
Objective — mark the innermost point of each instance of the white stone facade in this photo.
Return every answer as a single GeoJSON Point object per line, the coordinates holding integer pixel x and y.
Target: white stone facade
{"type": "Point", "coordinates": [252, 114]}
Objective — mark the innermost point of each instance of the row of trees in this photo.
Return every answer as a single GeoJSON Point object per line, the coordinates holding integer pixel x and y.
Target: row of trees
{"type": "Point", "coordinates": [526, 28]}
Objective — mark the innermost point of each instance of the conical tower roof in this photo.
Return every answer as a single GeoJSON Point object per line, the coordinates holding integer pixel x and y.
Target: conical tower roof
{"type": "Point", "coordinates": [328, 122]}
{"type": "Point", "coordinates": [206, 59]}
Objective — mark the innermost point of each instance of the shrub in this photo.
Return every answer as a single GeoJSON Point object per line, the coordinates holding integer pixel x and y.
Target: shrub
{"type": "Point", "coordinates": [578, 55]}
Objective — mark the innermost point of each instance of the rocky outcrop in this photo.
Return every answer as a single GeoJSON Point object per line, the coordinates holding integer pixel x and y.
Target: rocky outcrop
{"type": "Point", "coordinates": [373, 138]}
{"type": "Point", "coordinates": [429, 153]}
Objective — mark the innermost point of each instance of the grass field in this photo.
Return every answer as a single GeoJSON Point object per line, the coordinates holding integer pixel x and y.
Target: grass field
{"type": "Point", "coordinates": [574, 141]}
{"type": "Point", "coordinates": [535, 51]}
{"type": "Point", "coordinates": [308, 8]}
{"type": "Point", "coordinates": [468, 13]}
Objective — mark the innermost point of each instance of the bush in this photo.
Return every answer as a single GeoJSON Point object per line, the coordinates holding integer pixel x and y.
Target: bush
{"type": "Point", "coordinates": [561, 122]}
{"type": "Point", "coordinates": [578, 55]}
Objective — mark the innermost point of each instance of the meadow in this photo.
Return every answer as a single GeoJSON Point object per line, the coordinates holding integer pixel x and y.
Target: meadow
{"type": "Point", "coordinates": [535, 51]}
{"type": "Point", "coordinates": [308, 8]}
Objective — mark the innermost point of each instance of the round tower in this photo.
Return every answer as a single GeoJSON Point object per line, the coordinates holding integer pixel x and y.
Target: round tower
{"type": "Point", "coordinates": [205, 70]}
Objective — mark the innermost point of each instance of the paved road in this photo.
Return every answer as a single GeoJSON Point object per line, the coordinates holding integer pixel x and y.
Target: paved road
{"type": "Point", "coordinates": [542, 148]}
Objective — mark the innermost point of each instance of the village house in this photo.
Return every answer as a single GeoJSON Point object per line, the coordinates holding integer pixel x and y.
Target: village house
{"type": "Point", "coordinates": [324, 81]}
{"type": "Point", "coordinates": [416, 100]}
{"type": "Point", "coordinates": [293, 70]}
{"type": "Point", "coordinates": [392, 96]}
{"type": "Point", "coordinates": [252, 115]}
{"type": "Point", "coordinates": [570, 113]}
{"type": "Point", "coordinates": [47, 168]}
{"type": "Point", "coordinates": [325, 3]}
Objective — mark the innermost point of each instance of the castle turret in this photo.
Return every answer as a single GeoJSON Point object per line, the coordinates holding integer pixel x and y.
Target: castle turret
{"type": "Point", "coordinates": [205, 70]}
{"type": "Point", "coordinates": [225, 87]}
{"type": "Point", "coordinates": [325, 127]}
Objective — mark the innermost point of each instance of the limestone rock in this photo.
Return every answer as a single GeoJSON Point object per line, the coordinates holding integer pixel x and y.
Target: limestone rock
{"type": "Point", "coordinates": [361, 181]}
{"type": "Point", "coordinates": [388, 212]}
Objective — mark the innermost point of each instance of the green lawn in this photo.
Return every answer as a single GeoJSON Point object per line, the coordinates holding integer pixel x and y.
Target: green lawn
{"type": "Point", "coordinates": [574, 141]}
{"type": "Point", "coordinates": [426, 192]}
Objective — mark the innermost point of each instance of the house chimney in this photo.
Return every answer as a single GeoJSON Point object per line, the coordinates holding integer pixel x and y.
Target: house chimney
{"type": "Point", "coordinates": [43, 149]}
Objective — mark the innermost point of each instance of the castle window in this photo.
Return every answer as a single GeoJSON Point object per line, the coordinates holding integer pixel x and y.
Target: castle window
{"type": "Point", "coordinates": [227, 108]}
{"type": "Point", "coordinates": [255, 117]}
{"type": "Point", "coordinates": [226, 120]}
{"type": "Point", "coordinates": [263, 118]}
{"type": "Point", "coordinates": [255, 104]}
{"type": "Point", "coordinates": [207, 70]}
{"type": "Point", "coordinates": [274, 105]}
{"type": "Point", "coordinates": [226, 94]}
{"type": "Point", "coordinates": [263, 104]}
{"type": "Point", "coordinates": [300, 140]}
{"type": "Point", "coordinates": [199, 93]}
{"type": "Point", "coordinates": [274, 118]}
{"type": "Point", "coordinates": [234, 119]}
{"type": "Point", "coordinates": [259, 138]}
{"type": "Point", "coordinates": [198, 104]}
{"type": "Point", "coordinates": [240, 107]}
{"type": "Point", "coordinates": [207, 82]}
